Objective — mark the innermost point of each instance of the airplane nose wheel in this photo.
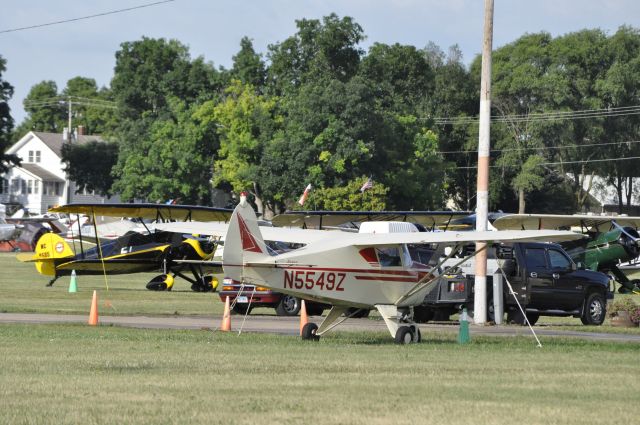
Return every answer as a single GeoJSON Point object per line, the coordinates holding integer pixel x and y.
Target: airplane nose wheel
{"type": "Point", "coordinates": [407, 335]}
{"type": "Point", "coordinates": [309, 332]}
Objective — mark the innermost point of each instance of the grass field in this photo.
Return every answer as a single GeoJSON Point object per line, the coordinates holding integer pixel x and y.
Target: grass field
{"type": "Point", "coordinates": [108, 375]}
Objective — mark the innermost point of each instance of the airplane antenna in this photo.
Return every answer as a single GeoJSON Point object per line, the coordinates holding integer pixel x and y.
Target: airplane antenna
{"type": "Point", "coordinates": [482, 191]}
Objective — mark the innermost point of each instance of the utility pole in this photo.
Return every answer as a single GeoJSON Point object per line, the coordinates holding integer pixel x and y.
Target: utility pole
{"type": "Point", "coordinates": [69, 131]}
{"type": "Point", "coordinates": [482, 198]}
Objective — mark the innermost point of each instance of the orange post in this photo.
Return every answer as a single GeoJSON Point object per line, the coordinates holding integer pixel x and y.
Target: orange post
{"type": "Point", "coordinates": [304, 318]}
{"type": "Point", "coordinates": [226, 317]}
{"type": "Point", "coordinates": [93, 314]}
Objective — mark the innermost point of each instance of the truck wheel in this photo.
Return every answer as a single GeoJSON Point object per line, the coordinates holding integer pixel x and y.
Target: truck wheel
{"type": "Point", "coordinates": [314, 309]}
{"type": "Point", "coordinates": [515, 317]}
{"type": "Point", "coordinates": [594, 310]}
{"type": "Point", "coordinates": [422, 314]}
{"type": "Point", "coordinates": [288, 306]}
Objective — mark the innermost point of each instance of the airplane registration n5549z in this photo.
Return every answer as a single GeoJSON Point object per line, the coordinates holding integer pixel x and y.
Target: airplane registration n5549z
{"type": "Point", "coordinates": [354, 269]}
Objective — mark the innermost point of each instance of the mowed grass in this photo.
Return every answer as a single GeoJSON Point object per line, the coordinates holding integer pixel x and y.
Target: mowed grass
{"type": "Point", "coordinates": [24, 290]}
{"type": "Point", "coordinates": [75, 374]}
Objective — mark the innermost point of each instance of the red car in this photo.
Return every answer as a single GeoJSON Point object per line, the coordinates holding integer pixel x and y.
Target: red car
{"type": "Point", "coordinates": [244, 299]}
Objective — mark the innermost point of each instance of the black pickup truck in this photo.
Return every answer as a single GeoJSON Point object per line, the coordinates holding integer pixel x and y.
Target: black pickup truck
{"type": "Point", "coordinates": [544, 278]}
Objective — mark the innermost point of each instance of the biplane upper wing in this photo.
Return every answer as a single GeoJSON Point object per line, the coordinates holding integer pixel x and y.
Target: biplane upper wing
{"type": "Point", "coordinates": [160, 212]}
{"type": "Point", "coordinates": [320, 219]}
{"type": "Point", "coordinates": [280, 234]}
{"type": "Point", "coordinates": [556, 221]}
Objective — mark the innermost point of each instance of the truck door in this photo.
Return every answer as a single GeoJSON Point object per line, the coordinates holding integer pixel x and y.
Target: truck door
{"type": "Point", "coordinates": [568, 288]}
{"type": "Point", "coordinates": [540, 279]}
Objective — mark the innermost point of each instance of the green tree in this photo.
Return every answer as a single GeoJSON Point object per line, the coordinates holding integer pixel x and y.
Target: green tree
{"type": "Point", "coordinates": [246, 124]}
{"type": "Point", "coordinates": [348, 197]}
{"type": "Point", "coordinates": [45, 109]}
{"type": "Point", "coordinates": [619, 87]}
{"type": "Point", "coordinates": [6, 121]}
{"type": "Point", "coordinates": [318, 49]}
{"type": "Point", "coordinates": [248, 66]}
{"type": "Point", "coordinates": [90, 164]}
{"type": "Point", "coordinates": [91, 107]}
{"type": "Point", "coordinates": [174, 160]}
{"type": "Point", "coordinates": [150, 75]}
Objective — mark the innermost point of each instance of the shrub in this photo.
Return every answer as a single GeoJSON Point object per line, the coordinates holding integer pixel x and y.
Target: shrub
{"type": "Point", "coordinates": [625, 304]}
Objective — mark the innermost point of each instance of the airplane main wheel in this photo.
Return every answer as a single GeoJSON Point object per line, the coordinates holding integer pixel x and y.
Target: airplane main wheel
{"type": "Point", "coordinates": [309, 332]}
{"type": "Point", "coordinates": [404, 335]}
{"type": "Point", "coordinates": [162, 282]}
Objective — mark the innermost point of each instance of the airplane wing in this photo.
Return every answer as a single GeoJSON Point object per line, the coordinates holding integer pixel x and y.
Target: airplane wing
{"type": "Point", "coordinates": [160, 212]}
{"type": "Point", "coordinates": [555, 221]}
{"type": "Point", "coordinates": [321, 219]}
{"type": "Point", "coordinates": [280, 234]}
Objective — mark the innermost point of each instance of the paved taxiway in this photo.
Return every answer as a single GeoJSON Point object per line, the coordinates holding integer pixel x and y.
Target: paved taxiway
{"type": "Point", "coordinates": [291, 325]}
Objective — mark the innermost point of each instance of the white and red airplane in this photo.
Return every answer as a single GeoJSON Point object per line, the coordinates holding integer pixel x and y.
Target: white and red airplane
{"type": "Point", "coordinates": [354, 269]}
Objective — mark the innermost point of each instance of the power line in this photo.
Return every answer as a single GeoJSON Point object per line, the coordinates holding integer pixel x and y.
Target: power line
{"type": "Point", "coordinates": [585, 145]}
{"type": "Point", "coordinates": [586, 161]}
{"type": "Point", "coordinates": [86, 17]}
{"type": "Point", "coordinates": [544, 116]}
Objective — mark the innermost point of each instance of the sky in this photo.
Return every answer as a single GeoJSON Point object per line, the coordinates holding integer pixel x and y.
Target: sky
{"type": "Point", "coordinates": [213, 29]}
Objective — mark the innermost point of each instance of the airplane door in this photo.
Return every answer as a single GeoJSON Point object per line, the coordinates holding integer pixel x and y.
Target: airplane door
{"type": "Point", "coordinates": [568, 288]}
{"type": "Point", "coordinates": [540, 279]}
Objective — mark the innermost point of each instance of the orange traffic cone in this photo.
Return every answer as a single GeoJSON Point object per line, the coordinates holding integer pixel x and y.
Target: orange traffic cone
{"type": "Point", "coordinates": [93, 314]}
{"type": "Point", "coordinates": [304, 319]}
{"type": "Point", "coordinates": [226, 317]}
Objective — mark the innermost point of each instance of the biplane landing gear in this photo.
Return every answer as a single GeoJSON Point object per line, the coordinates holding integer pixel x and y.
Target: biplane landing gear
{"type": "Point", "coordinates": [205, 284]}
{"type": "Point", "coordinates": [163, 282]}
{"type": "Point", "coordinates": [309, 332]}
{"type": "Point", "coordinates": [52, 281]}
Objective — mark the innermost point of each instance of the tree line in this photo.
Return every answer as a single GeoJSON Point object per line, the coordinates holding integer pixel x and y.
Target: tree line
{"type": "Point", "coordinates": [316, 108]}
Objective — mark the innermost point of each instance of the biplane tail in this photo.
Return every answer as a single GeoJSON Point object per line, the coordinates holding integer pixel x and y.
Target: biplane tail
{"type": "Point", "coordinates": [243, 243]}
{"type": "Point", "coordinates": [49, 248]}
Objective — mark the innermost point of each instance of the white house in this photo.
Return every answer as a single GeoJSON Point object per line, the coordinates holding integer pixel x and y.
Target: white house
{"type": "Point", "coordinates": [40, 182]}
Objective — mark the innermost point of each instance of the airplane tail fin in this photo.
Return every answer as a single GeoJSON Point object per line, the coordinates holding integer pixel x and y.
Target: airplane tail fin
{"type": "Point", "coordinates": [49, 248]}
{"type": "Point", "coordinates": [243, 243]}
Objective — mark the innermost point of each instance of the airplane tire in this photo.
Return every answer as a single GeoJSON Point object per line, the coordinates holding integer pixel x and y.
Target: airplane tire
{"type": "Point", "coordinates": [309, 332]}
{"type": "Point", "coordinates": [158, 283]}
{"type": "Point", "coordinates": [404, 335]}
{"type": "Point", "coordinates": [418, 335]}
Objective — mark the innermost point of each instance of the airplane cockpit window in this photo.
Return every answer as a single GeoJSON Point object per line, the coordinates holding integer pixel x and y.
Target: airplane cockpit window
{"type": "Point", "coordinates": [389, 257]}
{"type": "Point", "coordinates": [420, 253]}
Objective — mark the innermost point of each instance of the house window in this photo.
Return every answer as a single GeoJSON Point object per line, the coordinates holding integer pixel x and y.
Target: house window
{"type": "Point", "coordinates": [24, 186]}
{"type": "Point", "coordinates": [15, 186]}
{"type": "Point", "coordinates": [37, 156]}
{"type": "Point", "coordinates": [30, 187]}
{"type": "Point", "coordinates": [36, 185]}
{"type": "Point", "coordinates": [30, 156]}
{"type": "Point", "coordinates": [4, 186]}
{"type": "Point", "coordinates": [58, 189]}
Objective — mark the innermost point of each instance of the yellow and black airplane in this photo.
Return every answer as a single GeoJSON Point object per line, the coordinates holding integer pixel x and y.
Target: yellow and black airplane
{"type": "Point", "coordinates": [135, 252]}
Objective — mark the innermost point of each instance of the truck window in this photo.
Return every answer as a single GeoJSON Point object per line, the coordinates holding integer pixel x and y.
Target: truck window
{"type": "Point", "coordinates": [558, 260]}
{"type": "Point", "coordinates": [389, 257]}
{"type": "Point", "coordinates": [535, 258]}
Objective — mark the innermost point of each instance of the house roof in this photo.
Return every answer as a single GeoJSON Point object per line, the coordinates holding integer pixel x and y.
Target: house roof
{"type": "Point", "coordinates": [40, 172]}
{"type": "Point", "coordinates": [54, 140]}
